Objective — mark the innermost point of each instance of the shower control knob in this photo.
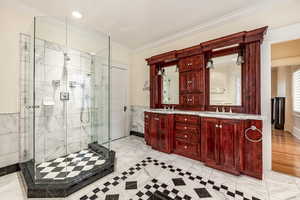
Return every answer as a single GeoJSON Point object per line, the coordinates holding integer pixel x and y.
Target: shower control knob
{"type": "Point", "coordinates": [64, 96]}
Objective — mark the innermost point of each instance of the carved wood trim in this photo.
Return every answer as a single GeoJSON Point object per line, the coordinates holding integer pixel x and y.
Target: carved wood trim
{"type": "Point", "coordinates": [247, 41]}
{"type": "Point", "coordinates": [237, 38]}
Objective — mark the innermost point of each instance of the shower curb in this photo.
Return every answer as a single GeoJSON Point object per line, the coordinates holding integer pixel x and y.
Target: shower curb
{"type": "Point", "coordinates": [48, 189]}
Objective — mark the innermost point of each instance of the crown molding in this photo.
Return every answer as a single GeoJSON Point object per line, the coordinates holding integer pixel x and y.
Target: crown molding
{"type": "Point", "coordinates": [206, 26]}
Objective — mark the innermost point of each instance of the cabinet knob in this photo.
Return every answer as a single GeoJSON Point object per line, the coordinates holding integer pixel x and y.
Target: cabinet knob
{"type": "Point", "coordinates": [185, 119]}
{"type": "Point", "coordinates": [220, 126]}
{"type": "Point", "coordinates": [185, 147]}
{"type": "Point", "coordinates": [146, 116]}
{"type": "Point", "coordinates": [185, 127]}
{"type": "Point", "coordinates": [156, 118]}
{"type": "Point", "coordinates": [217, 126]}
{"type": "Point", "coordinates": [185, 136]}
{"type": "Point", "coordinates": [189, 82]}
{"type": "Point", "coordinates": [189, 64]}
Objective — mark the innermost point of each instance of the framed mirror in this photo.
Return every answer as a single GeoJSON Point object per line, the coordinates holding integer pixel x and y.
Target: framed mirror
{"type": "Point", "coordinates": [225, 81]}
{"type": "Point", "coordinates": [170, 84]}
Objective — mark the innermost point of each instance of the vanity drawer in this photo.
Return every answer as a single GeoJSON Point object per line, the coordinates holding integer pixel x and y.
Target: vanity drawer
{"type": "Point", "coordinates": [186, 148]}
{"type": "Point", "coordinates": [188, 136]}
{"type": "Point", "coordinates": [187, 128]}
{"type": "Point", "coordinates": [189, 119]}
{"type": "Point", "coordinates": [191, 63]}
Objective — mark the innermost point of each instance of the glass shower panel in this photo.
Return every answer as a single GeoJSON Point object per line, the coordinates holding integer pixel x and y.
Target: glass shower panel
{"type": "Point", "coordinates": [50, 78]}
{"type": "Point", "coordinates": [89, 104]}
{"type": "Point", "coordinates": [70, 97]}
{"type": "Point", "coordinates": [26, 99]}
{"type": "Point", "coordinates": [100, 114]}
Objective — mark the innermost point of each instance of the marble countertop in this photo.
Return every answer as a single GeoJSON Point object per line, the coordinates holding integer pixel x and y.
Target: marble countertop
{"type": "Point", "coordinates": [225, 115]}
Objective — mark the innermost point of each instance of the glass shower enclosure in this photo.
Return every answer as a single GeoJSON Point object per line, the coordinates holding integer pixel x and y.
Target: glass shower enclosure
{"type": "Point", "coordinates": [64, 100]}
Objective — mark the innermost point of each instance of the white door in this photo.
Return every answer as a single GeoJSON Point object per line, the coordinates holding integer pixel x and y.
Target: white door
{"type": "Point", "coordinates": [119, 83]}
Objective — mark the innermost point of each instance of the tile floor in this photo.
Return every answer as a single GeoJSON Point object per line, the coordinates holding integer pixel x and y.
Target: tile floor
{"type": "Point", "coordinates": [70, 166]}
{"type": "Point", "coordinates": [197, 181]}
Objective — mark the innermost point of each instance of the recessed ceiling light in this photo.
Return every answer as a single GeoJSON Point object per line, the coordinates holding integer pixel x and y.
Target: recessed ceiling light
{"type": "Point", "coordinates": [76, 14]}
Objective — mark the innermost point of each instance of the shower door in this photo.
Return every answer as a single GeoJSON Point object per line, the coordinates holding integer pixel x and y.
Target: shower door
{"type": "Point", "coordinates": [65, 97]}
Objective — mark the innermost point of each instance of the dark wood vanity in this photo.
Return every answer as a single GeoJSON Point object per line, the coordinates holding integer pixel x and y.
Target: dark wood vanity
{"type": "Point", "coordinates": [218, 75]}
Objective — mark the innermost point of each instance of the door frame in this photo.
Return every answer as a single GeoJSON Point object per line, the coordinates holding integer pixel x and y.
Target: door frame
{"type": "Point", "coordinates": [282, 34]}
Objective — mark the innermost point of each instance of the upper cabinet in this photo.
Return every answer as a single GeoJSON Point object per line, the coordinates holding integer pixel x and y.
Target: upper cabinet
{"type": "Point", "coordinates": [191, 63]}
{"type": "Point", "coordinates": [218, 74]}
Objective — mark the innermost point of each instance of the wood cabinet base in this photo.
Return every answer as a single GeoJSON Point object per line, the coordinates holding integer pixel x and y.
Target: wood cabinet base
{"type": "Point", "coordinates": [219, 143]}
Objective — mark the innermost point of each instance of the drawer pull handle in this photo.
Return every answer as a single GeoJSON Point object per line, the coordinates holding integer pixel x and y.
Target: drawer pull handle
{"type": "Point", "coordinates": [185, 147]}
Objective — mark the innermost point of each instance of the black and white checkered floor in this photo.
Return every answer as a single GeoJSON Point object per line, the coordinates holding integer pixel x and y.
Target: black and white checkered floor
{"type": "Point", "coordinates": [70, 166]}
{"type": "Point", "coordinates": [170, 183]}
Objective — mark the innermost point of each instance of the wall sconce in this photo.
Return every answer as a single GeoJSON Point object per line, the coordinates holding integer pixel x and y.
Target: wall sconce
{"type": "Point", "coordinates": [240, 59]}
{"type": "Point", "coordinates": [161, 72]}
{"type": "Point", "coordinates": [210, 64]}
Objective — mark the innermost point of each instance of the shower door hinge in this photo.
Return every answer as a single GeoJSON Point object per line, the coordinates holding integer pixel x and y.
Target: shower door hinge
{"type": "Point", "coordinates": [64, 96]}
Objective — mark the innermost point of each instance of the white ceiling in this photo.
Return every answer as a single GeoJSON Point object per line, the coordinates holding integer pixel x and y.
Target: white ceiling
{"type": "Point", "coordinates": [135, 23]}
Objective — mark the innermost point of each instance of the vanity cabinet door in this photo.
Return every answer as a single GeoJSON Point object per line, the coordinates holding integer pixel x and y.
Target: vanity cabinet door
{"type": "Point", "coordinates": [147, 120]}
{"type": "Point", "coordinates": [209, 141]}
{"type": "Point", "coordinates": [183, 77]}
{"type": "Point", "coordinates": [229, 135]}
{"type": "Point", "coordinates": [195, 81]}
{"type": "Point", "coordinates": [161, 127]}
{"type": "Point", "coordinates": [163, 136]}
{"type": "Point", "coordinates": [191, 82]}
{"type": "Point", "coordinates": [154, 124]}
{"type": "Point", "coordinates": [220, 144]}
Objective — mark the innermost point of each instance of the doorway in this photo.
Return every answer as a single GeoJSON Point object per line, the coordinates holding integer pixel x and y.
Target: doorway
{"type": "Point", "coordinates": [285, 103]}
{"type": "Point", "coordinates": [119, 108]}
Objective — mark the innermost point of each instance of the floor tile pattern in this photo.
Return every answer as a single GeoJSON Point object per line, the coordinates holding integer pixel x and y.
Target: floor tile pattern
{"type": "Point", "coordinates": [195, 186]}
{"type": "Point", "coordinates": [70, 166]}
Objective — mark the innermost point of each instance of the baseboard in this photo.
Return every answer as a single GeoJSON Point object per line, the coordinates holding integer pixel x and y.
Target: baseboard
{"type": "Point", "coordinates": [296, 132]}
{"type": "Point", "coordinates": [9, 169]}
{"type": "Point", "coordinates": [137, 133]}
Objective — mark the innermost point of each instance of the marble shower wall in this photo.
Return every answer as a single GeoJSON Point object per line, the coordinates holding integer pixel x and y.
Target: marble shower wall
{"type": "Point", "coordinates": [9, 137]}
{"type": "Point", "coordinates": [58, 126]}
{"type": "Point", "coordinates": [137, 118]}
